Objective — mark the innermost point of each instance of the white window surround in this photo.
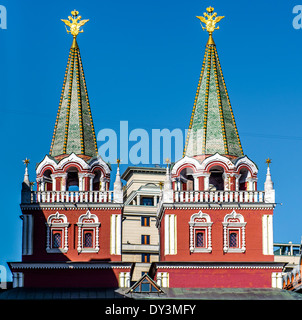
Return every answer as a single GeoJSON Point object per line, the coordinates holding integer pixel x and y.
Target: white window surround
{"type": "Point", "coordinates": [234, 221]}
{"type": "Point", "coordinates": [162, 279]}
{"type": "Point", "coordinates": [88, 222]}
{"type": "Point", "coordinates": [200, 221]}
{"type": "Point", "coordinates": [57, 221]}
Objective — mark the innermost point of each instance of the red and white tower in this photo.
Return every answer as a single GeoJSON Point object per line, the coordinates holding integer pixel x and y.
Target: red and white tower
{"type": "Point", "coordinates": [72, 223]}
{"type": "Point", "coordinates": [216, 227]}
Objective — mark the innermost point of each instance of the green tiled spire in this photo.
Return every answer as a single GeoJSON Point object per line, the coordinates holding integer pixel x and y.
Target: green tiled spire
{"type": "Point", "coordinates": [212, 126]}
{"type": "Point", "coordinates": [74, 130]}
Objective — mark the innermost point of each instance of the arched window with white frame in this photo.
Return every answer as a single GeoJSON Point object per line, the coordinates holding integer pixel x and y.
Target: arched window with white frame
{"type": "Point", "coordinates": [234, 233]}
{"type": "Point", "coordinates": [200, 232]}
{"type": "Point", "coordinates": [88, 233]}
{"type": "Point", "coordinates": [57, 233]}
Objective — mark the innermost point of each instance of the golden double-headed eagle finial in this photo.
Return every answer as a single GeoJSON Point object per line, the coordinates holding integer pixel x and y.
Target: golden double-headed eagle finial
{"type": "Point", "coordinates": [74, 23]}
{"type": "Point", "coordinates": [210, 20]}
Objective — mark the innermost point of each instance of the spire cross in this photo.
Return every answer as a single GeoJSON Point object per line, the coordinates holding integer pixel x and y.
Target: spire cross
{"type": "Point", "coordinates": [167, 161]}
{"type": "Point", "coordinates": [74, 23]}
{"type": "Point", "coordinates": [268, 161]}
{"type": "Point", "coordinates": [211, 20]}
{"type": "Point", "coordinates": [118, 161]}
{"type": "Point", "coordinates": [26, 162]}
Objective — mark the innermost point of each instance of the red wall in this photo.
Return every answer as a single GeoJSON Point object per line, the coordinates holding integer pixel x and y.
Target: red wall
{"type": "Point", "coordinates": [253, 236]}
{"type": "Point", "coordinates": [39, 243]}
{"type": "Point", "coordinates": [89, 278]}
{"type": "Point", "coordinates": [219, 278]}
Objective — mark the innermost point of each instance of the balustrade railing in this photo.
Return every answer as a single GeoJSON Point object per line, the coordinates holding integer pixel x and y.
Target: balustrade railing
{"type": "Point", "coordinates": [71, 196]}
{"type": "Point", "coordinates": [218, 196]}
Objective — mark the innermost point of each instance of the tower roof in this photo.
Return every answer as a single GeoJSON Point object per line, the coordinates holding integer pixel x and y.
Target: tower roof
{"type": "Point", "coordinates": [74, 130]}
{"type": "Point", "coordinates": [212, 126]}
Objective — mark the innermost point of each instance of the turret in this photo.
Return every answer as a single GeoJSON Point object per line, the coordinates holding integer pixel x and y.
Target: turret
{"type": "Point", "coordinates": [25, 191]}
{"type": "Point", "coordinates": [118, 187]}
{"type": "Point", "coordinates": [269, 185]}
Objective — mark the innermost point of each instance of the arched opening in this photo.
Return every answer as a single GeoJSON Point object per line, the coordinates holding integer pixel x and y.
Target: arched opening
{"type": "Point", "coordinates": [186, 180]}
{"type": "Point", "coordinates": [216, 181]}
{"type": "Point", "coordinates": [47, 180]}
{"type": "Point", "coordinates": [242, 180]}
{"type": "Point", "coordinates": [72, 182]}
{"type": "Point", "coordinates": [97, 181]}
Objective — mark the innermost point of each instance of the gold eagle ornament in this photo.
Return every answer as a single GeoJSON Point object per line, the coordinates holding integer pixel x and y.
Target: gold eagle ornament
{"type": "Point", "coordinates": [211, 21]}
{"type": "Point", "coordinates": [74, 23]}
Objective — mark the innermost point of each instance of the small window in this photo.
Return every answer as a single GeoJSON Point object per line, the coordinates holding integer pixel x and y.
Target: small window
{"type": "Point", "coordinates": [88, 242]}
{"type": "Point", "coordinates": [200, 239]}
{"type": "Point", "coordinates": [145, 222]}
{"type": "Point", "coordinates": [56, 240]}
{"type": "Point", "coordinates": [145, 239]}
{"type": "Point", "coordinates": [233, 239]}
{"type": "Point", "coordinates": [147, 201]}
{"type": "Point", "coordinates": [146, 257]}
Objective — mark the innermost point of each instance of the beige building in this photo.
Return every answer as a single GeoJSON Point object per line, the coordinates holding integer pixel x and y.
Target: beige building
{"type": "Point", "coordinates": [288, 253]}
{"type": "Point", "coordinates": [140, 238]}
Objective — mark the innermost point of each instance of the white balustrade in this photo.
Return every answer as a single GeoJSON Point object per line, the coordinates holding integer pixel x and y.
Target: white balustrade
{"type": "Point", "coordinates": [71, 196]}
{"type": "Point", "coordinates": [219, 196]}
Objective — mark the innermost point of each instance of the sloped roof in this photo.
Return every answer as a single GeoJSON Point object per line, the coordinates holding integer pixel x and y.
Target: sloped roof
{"type": "Point", "coordinates": [74, 130]}
{"type": "Point", "coordinates": [212, 126]}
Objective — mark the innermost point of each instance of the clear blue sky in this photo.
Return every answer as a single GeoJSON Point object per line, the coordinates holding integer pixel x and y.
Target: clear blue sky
{"type": "Point", "coordinates": [142, 61]}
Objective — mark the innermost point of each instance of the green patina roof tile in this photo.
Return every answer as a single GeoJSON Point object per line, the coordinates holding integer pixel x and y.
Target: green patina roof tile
{"type": "Point", "coordinates": [74, 130]}
{"type": "Point", "coordinates": [212, 126]}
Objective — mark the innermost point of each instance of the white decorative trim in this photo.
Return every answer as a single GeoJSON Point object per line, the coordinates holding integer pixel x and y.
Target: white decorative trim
{"type": "Point", "coordinates": [250, 164]}
{"type": "Point", "coordinates": [217, 157]}
{"type": "Point", "coordinates": [170, 234]}
{"type": "Point", "coordinates": [267, 235]}
{"type": "Point", "coordinates": [88, 221]}
{"type": "Point", "coordinates": [27, 234]}
{"type": "Point", "coordinates": [218, 267]}
{"type": "Point", "coordinates": [69, 265]}
{"type": "Point", "coordinates": [186, 160]}
{"type": "Point", "coordinates": [115, 234]}
{"type": "Point", "coordinates": [240, 226]}
{"type": "Point", "coordinates": [99, 162]}
{"type": "Point", "coordinates": [124, 280]}
{"type": "Point", "coordinates": [206, 225]}
{"type": "Point", "coordinates": [72, 158]}
{"type": "Point", "coordinates": [162, 279]}
{"type": "Point", "coordinates": [54, 223]}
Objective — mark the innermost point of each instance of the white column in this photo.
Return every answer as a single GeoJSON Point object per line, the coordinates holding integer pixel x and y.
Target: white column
{"type": "Point", "coordinates": [170, 234]}
{"type": "Point", "coordinates": [267, 235]}
{"type": "Point", "coordinates": [118, 234]}
{"type": "Point", "coordinates": [122, 280]}
{"type": "Point", "coordinates": [270, 235]}
{"type": "Point", "coordinates": [24, 235]}
{"type": "Point", "coordinates": [167, 234]}
{"type": "Point", "coordinates": [30, 238]}
{"type": "Point", "coordinates": [127, 279]}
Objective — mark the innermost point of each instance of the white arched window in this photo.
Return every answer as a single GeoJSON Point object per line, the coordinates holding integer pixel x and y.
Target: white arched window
{"type": "Point", "coordinates": [88, 233]}
{"type": "Point", "coordinates": [234, 233]}
{"type": "Point", "coordinates": [57, 233]}
{"type": "Point", "coordinates": [200, 232]}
